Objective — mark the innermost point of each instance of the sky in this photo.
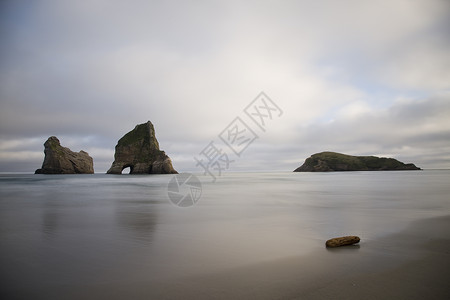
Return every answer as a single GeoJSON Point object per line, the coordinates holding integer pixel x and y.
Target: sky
{"type": "Point", "coordinates": [357, 77]}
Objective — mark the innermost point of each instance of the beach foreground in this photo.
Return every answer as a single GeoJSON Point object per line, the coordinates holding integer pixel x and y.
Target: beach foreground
{"type": "Point", "coordinates": [251, 236]}
{"type": "Point", "coordinates": [413, 264]}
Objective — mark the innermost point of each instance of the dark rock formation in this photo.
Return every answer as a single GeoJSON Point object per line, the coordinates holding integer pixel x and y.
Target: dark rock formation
{"type": "Point", "coordinates": [342, 241]}
{"type": "Point", "coordinates": [139, 150]}
{"type": "Point", "coordinates": [61, 160]}
{"type": "Point", "coordinates": [332, 161]}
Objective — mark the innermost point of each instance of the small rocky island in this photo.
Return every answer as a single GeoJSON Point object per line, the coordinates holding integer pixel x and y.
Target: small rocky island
{"type": "Point", "coordinates": [139, 150]}
{"type": "Point", "coordinates": [62, 160]}
{"type": "Point", "coordinates": [332, 161]}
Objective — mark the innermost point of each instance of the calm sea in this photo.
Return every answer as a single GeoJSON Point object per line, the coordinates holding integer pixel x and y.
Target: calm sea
{"type": "Point", "coordinates": [73, 231]}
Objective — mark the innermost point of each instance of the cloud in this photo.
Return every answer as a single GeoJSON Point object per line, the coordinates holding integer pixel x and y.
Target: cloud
{"type": "Point", "coordinates": [414, 130]}
{"type": "Point", "coordinates": [88, 72]}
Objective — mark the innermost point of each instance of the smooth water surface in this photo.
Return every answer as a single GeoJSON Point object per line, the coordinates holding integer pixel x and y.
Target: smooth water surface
{"type": "Point", "coordinates": [78, 230]}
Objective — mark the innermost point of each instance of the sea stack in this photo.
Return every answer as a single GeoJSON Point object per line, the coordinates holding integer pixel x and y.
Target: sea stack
{"type": "Point", "coordinates": [62, 160]}
{"type": "Point", "coordinates": [332, 161]}
{"type": "Point", "coordinates": [139, 150]}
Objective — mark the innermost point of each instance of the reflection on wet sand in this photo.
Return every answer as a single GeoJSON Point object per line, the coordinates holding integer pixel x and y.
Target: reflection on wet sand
{"type": "Point", "coordinates": [50, 218]}
{"type": "Point", "coordinates": [252, 236]}
{"type": "Point", "coordinates": [137, 219]}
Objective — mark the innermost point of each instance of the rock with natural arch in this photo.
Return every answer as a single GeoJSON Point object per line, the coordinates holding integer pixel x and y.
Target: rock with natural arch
{"type": "Point", "coordinates": [139, 150]}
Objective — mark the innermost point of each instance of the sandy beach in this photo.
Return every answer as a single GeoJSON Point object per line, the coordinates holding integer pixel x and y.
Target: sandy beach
{"type": "Point", "coordinates": [119, 238]}
{"type": "Point", "coordinates": [413, 264]}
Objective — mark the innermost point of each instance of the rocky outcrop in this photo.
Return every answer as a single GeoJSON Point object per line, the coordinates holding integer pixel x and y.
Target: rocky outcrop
{"type": "Point", "coordinates": [61, 160]}
{"type": "Point", "coordinates": [332, 161]}
{"type": "Point", "coordinates": [342, 241]}
{"type": "Point", "coordinates": [139, 150]}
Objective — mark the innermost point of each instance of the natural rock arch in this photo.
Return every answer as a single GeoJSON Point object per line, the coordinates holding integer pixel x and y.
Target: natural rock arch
{"type": "Point", "coordinates": [139, 150]}
{"type": "Point", "coordinates": [131, 167]}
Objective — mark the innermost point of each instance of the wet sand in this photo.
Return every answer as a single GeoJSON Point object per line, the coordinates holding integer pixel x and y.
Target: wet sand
{"type": "Point", "coordinates": [413, 264]}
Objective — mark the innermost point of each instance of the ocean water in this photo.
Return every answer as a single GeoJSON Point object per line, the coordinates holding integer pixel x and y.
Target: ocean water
{"type": "Point", "coordinates": [68, 232]}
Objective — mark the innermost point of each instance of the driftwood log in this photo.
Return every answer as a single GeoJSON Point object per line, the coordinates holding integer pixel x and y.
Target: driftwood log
{"type": "Point", "coordinates": [342, 241]}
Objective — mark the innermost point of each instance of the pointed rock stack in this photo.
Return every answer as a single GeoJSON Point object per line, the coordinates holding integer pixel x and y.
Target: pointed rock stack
{"type": "Point", "coordinates": [139, 150]}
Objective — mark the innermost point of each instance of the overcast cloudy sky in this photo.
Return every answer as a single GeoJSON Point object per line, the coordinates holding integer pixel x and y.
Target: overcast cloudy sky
{"type": "Point", "coordinates": [358, 77]}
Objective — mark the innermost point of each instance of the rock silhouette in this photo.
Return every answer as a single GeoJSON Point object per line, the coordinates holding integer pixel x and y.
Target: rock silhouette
{"type": "Point", "coordinates": [139, 150]}
{"type": "Point", "coordinates": [62, 160]}
{"type": "Point", "coordinates": [332, 161]}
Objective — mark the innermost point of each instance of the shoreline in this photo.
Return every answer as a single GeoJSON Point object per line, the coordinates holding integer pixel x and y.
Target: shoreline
{"type": "Point", "coordinates": [411, 264]}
